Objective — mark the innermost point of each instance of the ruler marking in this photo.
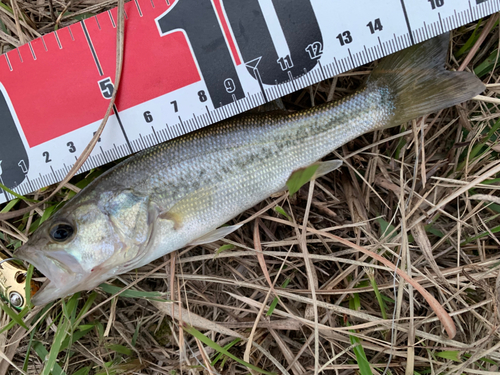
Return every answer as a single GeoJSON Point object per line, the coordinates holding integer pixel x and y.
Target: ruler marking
{"type": "Point", "coordinates": [196, 122]}
{"type": "Point", "coordinates": [8, 62]}
{"type": "Point", "coordinates": [152, 4]}
{"type": "Point", "coordinates": [71, 33]}
{"type": "Point", "coordinates": [142, 140]}
{"type": "Point", "coordinates": [54, 173]}
{"type": "Point", "coordinates": [209, 116]}
{"type": "Point", "coordinates": [350, 55]}
{"type": "Point", "coordinates": [32, 51]}
{"type": "Point", "coordinates": [321, 70]}
{"type": "Point", "coordinates": [122, 128]}
{"type": "Point", "coordinates": [92, 49]}
{"type": "Point", "coordinates": [111, 19]}
{"type": "Point", "coordinates": [368, 54]}
{"type": "Point", "coordinates": [407, 21]}
{"type": "Point", "coordinates": [154, 132]}
{"type": "Point", "coordinates": [58, 40]}
{"type": "Point", "coordinates": [19, 54]}
{"type": "Point", "coordinates": [169, 132]}
{"type": "Point", "coordinates": [336, 65]}
{"type": "Point", "coordinates": [181, 124]}
{"type": "Point", "coordinates": [98, 24]}
{"type": "Point", "coordinates": [43, 42]}
{"type": "Point", "coordinates": [138, 8]}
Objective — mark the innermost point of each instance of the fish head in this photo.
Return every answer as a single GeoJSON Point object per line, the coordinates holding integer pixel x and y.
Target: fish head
{"type": "Point", "coordinates": [85, 243]}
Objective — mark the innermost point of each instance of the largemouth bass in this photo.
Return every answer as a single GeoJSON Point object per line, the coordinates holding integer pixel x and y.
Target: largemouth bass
{"type": "Point", "coordinates": [180, 192]}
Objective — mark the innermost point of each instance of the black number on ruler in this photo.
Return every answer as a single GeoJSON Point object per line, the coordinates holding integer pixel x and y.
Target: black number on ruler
{"type": "Point", "coordinates": [436, 3]}
{"type": "Point", "coordinates": [99, 140]}
{"type": "Point", "coordinates": [345, 37]}
{"type": "Point", "coordinates": [71, 146]}
{"type": "Point", "coordinates": [47, 157]}
{"type": "Point", "coordinates": [106, 87]}
{"type": "Point", "coordinates": [375, 26]}
{"type": "Point", "coordinates": [481, 1]}
{"type": "Point", "coordinates": [199, 21]}
{"type": "Point", "coordinates": [202, 96]}
{"type": "Point", "coordinates": [256, 43]}
{"type": "Point", "coordinates": [14, 162]}
{"type": "Point", "coordinates": [174, 103]}
{"type": "Point", "coordinates": [148, 117]}
{"type": "Point", "coordinates": [315, 50]}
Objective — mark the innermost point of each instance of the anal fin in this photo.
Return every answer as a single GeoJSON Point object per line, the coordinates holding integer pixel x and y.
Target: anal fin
{"type": "Point", "coordinates": [215, 235]}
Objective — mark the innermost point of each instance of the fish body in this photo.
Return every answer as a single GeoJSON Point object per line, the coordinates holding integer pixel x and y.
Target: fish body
{"type": "Point", "coordinates": [171, 195]}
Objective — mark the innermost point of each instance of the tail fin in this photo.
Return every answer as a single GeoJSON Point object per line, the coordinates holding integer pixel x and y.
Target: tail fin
{"type": "Point", "coordinates": [419, 82]}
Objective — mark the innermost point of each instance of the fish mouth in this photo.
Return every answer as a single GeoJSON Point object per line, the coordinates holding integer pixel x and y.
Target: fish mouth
{"type": "Point", "coordinates": [62, 278]}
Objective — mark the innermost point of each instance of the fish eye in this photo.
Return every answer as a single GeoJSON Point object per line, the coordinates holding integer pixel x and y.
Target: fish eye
{"type": "Point", "coordinates": [61, 232]}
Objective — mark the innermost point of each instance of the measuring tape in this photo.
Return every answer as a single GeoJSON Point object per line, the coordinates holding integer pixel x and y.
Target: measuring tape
{"type": "Point", "coordinates": [187, 64]}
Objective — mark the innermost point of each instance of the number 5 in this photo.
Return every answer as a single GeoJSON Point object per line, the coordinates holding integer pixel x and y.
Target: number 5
{"type": "Point", "coordinates": [106, 87]}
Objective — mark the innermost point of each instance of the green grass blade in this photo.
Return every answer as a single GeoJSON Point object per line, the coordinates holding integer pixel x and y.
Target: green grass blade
{"type": "Point", "coordinates": [219, 356]}
{"type": "Point", "coordinates": [281, 211]}
{"type": "Point", "coordinates": [28, 350]}
{"type": "Point", "coordinates": [120, 349]}
{"type": "Point", "coordinates": [19, 196]}
{"type": "Point", "coordinates": [487, 65]}
{"type": "Point", "coordinates": [85, 308]}
{"type": "Point", "coordinates": [481, 235]}
{"type": "Point", "coordinates": [83, 371]}
{"type": "Point", "coordinates": [136, 333]}
{"type": "Point", "coordinates": [27, 286]}
{"type": "Point", "coordinates": [15, 317]}
{"type": "Point", "coordinates": [300, 178]}
{"type": "Point", "coordinates": [70, 340]}
{"type": "Point", "coordinates": [55, 349]}
{"type": "Point", "coordinates": [204, 339]}
{"type": "Point", "coordinates": [276, 299]}
{"type": "Point", "coordinates": [359, 352]}
{"type": "Point", "coordinates": [225, 247]}
{"type": "Point", "coordinates": [44, 354]}
{"type": "Point", "coordinates": [10, 205]}
{"type": "Point", "coordinates": [378, 295]}
{"type": "Point", "coordinates": [454, 355]}
{"type": "Point", "coordinates": [470, 42]}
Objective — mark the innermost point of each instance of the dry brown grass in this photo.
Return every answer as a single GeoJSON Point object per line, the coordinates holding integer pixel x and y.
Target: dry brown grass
{"type": "Point", "coordinates": [443, 209]}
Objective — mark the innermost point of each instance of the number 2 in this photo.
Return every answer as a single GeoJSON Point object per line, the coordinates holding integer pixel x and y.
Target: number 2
{"type": "Point", "coordinates": [47, 157]}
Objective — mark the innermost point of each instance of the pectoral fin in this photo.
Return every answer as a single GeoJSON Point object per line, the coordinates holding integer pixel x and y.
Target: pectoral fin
{"type": "Point", "coordinates": [188, 207]}
{"type": "Point", "coordinates": [215, 235]}
{"type": "Point", "coordinates": [172, 216]}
